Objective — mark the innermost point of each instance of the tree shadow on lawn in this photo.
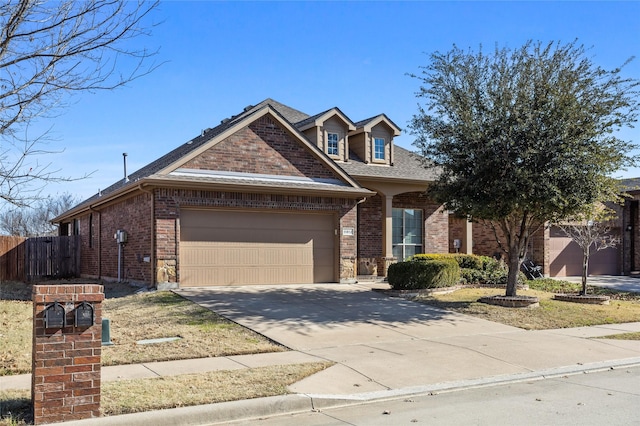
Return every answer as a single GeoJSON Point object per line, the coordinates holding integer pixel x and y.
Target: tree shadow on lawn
{"type": "Point", "coordinates": [15, 409]}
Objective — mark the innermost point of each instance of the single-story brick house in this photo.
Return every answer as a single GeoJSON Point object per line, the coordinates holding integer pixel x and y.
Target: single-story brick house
{"type": "Point", "coordinates": [269, 196]}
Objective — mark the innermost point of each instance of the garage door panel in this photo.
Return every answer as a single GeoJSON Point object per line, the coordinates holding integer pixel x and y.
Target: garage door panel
{"type": "Point", "coordinates": [255, 248]}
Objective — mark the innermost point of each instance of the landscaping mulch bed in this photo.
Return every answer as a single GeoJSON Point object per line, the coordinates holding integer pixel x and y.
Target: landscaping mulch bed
{"type": "Point", "coordinates": [511, 301]}
{"type": "Point", "coordinates": [591, 299]}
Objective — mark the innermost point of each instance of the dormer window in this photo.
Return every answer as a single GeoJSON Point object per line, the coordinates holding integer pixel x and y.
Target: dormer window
{"type": "Point", "coordinates": [378, 149]}
{"type": "Point", "coordinates": [332, 144]}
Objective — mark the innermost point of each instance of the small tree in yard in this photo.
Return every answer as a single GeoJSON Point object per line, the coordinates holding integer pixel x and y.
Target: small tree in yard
{"type": "Point", "coordinates": [523, 136]}
{"type": "Point", "coordinates": [592, 231]}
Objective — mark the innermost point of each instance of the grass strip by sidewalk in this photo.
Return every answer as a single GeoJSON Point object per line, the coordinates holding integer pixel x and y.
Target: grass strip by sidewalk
{"type": "Point", "coordinates": [134, 396]}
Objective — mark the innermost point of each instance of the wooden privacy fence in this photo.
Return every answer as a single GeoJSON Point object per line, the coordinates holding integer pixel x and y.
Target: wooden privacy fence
{"type": "Point", "coordinates": [54, 257]}
{"type": "Point", "coordinates": [26, 259]}
{"type": "Point", "coordinates": [12, 257]}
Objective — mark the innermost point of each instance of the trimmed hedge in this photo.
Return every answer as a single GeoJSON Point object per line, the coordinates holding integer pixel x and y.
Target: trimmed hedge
{"type": "Point", "coordinates": [470, 261]}
{"type": "Point", "coordinates": [422, 274]}
{"type": "Point", "coordinates": [474, 269]}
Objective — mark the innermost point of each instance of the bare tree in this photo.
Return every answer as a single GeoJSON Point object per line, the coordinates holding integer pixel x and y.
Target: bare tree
{"type": "Point", "coordinates": [35, 220]}
{"type": "Point", "coordinates": [48, 51]}
{"type": "Point", "coordinates": [592, 231]}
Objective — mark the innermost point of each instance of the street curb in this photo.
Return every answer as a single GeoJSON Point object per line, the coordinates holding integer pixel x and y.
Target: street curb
{"type": "Point", "coordinates": [290, 404]}
{"type": "Point", "coordinates": [207, 414]}
{"type": "Point", "coordinates": [325, 401]}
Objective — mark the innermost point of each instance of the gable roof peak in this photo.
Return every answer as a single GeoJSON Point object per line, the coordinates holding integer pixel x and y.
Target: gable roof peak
{"type": "Point", "coordinates": [368, 123]}
{"type": "Point", "coordinates": [315, 120]}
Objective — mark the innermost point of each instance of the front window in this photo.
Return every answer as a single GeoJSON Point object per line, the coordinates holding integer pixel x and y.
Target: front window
{"type": "Point", "coordinates": [378, 149]}
{"type": "Point", "coordinates": [407, 232]}
{"type": "Point", "coordinates": [332, 143]}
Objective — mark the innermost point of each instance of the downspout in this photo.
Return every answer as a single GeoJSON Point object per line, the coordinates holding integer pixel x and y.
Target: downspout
{"type": "Point", "coordinates": [152, 254]}
{"type": "Point", "coordinates": [99, 240]}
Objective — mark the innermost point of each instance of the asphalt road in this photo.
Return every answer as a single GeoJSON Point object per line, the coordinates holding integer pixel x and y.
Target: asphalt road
{"type": "Point", "coordinates": [609, 398]}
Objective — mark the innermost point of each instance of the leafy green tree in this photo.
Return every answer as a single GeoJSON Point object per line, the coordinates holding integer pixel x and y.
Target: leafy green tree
{"type": "Point", "coordinates": [523, 136]}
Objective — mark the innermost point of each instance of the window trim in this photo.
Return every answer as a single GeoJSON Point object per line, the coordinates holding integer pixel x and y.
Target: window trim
{"type": "Point", "coordinates": [402, 245]}
{"type": "Point", "coordinates": [337, 141]}
{"type": "Point", "coordinates": [375, 149]}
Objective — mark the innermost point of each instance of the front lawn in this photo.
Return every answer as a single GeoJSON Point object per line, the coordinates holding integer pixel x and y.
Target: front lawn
{"type": "Point", "coordinates": [136, 317]}
{"type": "Point", "coordinates": [551, 314]}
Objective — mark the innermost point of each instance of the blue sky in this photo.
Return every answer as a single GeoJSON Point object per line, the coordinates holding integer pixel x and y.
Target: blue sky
{"type": "Point", "coordinates": [222, 56]}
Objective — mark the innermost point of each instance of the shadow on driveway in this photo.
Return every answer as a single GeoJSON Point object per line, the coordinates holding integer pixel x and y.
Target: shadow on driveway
{"type": "Point", "coordinates": [288, 314]}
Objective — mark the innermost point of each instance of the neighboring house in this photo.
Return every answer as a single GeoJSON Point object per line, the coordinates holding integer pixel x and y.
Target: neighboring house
{"type": "Point", "coordinates": [553, 250]}
{"type": "Point", "coordinates": [630, 228]}
{"type": "Point", "coordinates": [269, 196]}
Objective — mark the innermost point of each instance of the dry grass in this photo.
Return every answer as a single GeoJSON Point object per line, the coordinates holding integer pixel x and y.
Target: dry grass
{"type": "Point", "coordinates": [134, 396]}
{"type": "Point", "coordinates": [135, 317]}
{"type": "Point", "coordinates": [15, 334]}
{"type": "Point", "coordinates": [624, 336]}
{"type": "Point", "coordinates": [550, 315]}
{"type": "Point", "coordinates": [144, 316]}
{"type": "Point", "coordinates": [164, 314]}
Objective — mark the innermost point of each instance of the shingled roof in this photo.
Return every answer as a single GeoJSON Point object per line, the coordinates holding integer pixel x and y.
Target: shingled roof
{"type": "Point", "coordinates": [407, 165]}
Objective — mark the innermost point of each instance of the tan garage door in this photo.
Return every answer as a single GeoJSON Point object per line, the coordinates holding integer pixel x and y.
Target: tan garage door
{"type": "Point", "coordinates": [228, 247]}
{"type": "Point", "coordinates": [566, 257]}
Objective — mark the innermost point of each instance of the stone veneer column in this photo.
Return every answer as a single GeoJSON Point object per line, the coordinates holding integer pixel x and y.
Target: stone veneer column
{"type": "Point", "coordinates": [66, 360]}
{"type": "Point", "coordinates": [387, 233]}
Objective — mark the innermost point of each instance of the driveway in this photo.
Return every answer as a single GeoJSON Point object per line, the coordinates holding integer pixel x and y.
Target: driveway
{"type": "Point", "coordinates": [380, 343]}
{"type": "Point", "coordinates": [616, 282]}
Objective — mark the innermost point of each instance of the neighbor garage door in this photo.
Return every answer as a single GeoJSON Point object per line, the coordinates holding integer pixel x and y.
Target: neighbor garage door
{"type": "Point", "coordinates": [228, 247]}
{"type": "Point", "coordinates": [566, 257]}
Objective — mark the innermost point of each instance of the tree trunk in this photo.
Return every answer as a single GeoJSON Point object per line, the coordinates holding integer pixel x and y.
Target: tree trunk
{"type": "Point", "coordinates": [514, 267]}
{"type": "Point", "coordinates": [585, 270]}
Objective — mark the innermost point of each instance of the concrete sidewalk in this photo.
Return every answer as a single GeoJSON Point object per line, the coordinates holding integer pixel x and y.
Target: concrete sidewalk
{"type": "Point", "coordinates": [174, 368]}
{"type": "Point", "coordinates": [383, 347]}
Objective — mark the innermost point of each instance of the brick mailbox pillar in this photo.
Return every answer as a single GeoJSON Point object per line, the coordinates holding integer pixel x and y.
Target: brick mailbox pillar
{"type": "Point", "coordinates": [67, 338]}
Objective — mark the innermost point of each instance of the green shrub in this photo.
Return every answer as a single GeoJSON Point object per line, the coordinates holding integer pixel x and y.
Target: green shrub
{"type": "Point", "coordinates": [554, 286]}
{"type": "Point", "coordinates": [430, 256]}
{"type": "Point", "coordinates": [425, 273]}
{"type": "Point", "coordinates": [472, 276]}
{"type": "Point", "coordinates": [470, 261]}
{"type": "Point", "coordinates": [497, 272]}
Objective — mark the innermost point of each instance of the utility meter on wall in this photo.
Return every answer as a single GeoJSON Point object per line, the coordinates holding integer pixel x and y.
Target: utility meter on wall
{"type": "Point", "coordinates": [120, 236]}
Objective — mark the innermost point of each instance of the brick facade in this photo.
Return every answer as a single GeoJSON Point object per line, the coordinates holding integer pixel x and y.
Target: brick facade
{"type": "Point", "coordinates": [485, 244]}
{"type": "Point", "coordinates": [370, 250]}
{"type": "Point", "coordinates": [168, 203]}
{"type": "Point", "coordinates": [436, 221]}
{"type": "Point", "coordinates": [264, 147]}
{"type": "Point", "coordinates": [66, 361]}
{"type": "Point", "coordinates": [99, 252]}
{"type": "Point", "coordinates": [133, 216]}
